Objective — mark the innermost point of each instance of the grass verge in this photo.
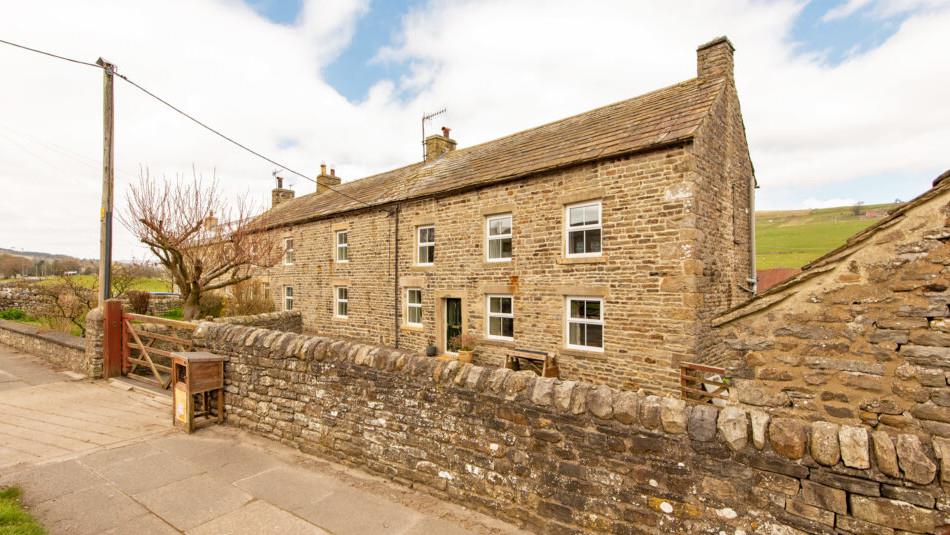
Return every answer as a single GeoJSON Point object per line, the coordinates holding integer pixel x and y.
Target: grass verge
{"type": "Point", "coordinates": [13, 519]}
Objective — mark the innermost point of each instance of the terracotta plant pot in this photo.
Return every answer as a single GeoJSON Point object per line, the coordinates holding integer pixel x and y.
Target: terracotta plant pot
{"type": "Point", "coordinates": [465, 356]}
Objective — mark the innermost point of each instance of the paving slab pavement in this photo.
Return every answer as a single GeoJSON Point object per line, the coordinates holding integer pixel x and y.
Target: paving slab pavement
{"type": "Point", "coordinates": [92, 458]}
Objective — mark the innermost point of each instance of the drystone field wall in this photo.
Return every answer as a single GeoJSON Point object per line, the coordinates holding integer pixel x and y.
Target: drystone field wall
{"type": "Point", "coordinates": [35, 303]}
{"type": "Point", "coordinates": [159, 305]}
{"type": "Point", "coordinates": [571, 457]}
{"type": "Point", "coordinates": [287, 321]}
{"type": "Point", "coordinates": [862, 337]}
{"type": "Point", "coordinates": [24, 298]}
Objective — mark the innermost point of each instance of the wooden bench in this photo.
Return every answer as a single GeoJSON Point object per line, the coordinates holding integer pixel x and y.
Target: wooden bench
{"type": "Point", "coordinates": [540, 362]}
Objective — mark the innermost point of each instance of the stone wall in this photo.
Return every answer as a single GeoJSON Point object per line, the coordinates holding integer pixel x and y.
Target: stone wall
{"type": "Point", "coordinates": [572, 457]}
{"type": "Point", "coordinates": [287, 321]}
{"type": "Point", "coordinates": [61, 350]}
{"type": "Point", "coordinates": [93, 343]}
{"type": "Point", "coordinates": [860, 336]}
{"type": "Point", "coordinates": [24, 298]}
{"type": "Point", "coordinates": [159, 305]}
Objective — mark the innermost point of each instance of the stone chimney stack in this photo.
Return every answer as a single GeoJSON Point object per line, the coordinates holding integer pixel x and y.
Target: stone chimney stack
{"type": "Point", "coordinates": [714, 59]}
{"type": "Point", "coordinates": [280, 194]}
{"type": "Point", "coordinates": [438, 145]}
{"type": "Point", "coordinates": [325, 181]}
{"type": "Point", "coordinates": [210, 222]}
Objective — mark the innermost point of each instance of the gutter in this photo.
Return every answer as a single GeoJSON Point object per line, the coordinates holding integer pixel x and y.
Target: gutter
{"type": "Point", "coordinates": [395, 214]}
{"type": "Point", "coordinates": [753, 279]}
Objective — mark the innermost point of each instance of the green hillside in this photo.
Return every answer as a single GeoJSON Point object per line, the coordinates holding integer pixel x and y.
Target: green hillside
{"type": "Point", "coordinates": [792, 238]}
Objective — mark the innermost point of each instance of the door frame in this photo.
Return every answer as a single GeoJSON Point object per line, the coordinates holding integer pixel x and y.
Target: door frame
{"type": "Point", "coordinates": [441, 295]}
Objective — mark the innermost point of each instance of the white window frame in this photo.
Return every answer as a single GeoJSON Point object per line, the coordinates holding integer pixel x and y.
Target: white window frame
{"type": "Point", "coordinates": [568, 320]}
{"type": "Point", "coordinates": [489, 238]}
{"type": "Point", "coordinates": [568, 228]}
{"type": "Point", "coordinates": [288, 298]}
{"type": "Point", "coordinates": [288, 250]}
{"type": "Point", "coordinates": [337, 302]}
{"type": "Point", "coordinates": [410, 305]}
{"type": "Point", "coordinates": [420, 244]}
{"type": "Point", "coordinates": [337, 246]}
{"type": "Point", "coordinates": [489, 315]}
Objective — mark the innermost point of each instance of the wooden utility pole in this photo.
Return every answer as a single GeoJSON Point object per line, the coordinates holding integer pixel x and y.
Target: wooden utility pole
{"type": "Point", "coordinates": [108, 181]}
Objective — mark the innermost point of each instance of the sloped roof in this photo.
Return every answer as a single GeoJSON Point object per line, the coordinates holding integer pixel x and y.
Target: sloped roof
{"type": "Point", "coordinates": [659, 118]}
{"type": "Point", "coordinates": [826, 262]}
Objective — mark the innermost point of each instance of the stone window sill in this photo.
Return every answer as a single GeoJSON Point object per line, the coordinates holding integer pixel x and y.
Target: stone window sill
{"type": "Point", "coordinates": [580, 353]}
{"type": "Point", "coordinates": [416, 267]}
{"type": "Point", "coordinates": [412, 328]}
{"type": "Point", "coordinates": [494, 342]}
{"type": "Point", "coordinates": [567, 260]}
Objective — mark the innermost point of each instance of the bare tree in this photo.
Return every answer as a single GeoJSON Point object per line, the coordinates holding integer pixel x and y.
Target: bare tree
{"type": "Point", "coordinates": [125, 275]}
{"type": "Point", "coordinates": [67, 300]}
{"type": "Point", "coordinates": [178, 222]}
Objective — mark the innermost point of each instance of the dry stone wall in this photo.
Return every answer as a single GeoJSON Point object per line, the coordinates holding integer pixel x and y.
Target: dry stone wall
{"type": "Point", "coordinates": [573, 457]}
{"type": "Point", "coordinates": [24, 298]}
{"type": "Point", "coordinates": [287, 321]}
{"type": "Point", "coordinates": [863, 337]}
{"type": "Point", "coordinates": [61, 350]}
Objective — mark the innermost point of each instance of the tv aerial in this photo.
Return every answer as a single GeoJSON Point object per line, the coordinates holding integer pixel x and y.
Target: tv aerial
{"type": "Point", "coordinates": [428, 117]}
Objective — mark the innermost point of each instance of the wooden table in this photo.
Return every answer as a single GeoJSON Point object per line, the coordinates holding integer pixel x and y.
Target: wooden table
{"type": "Point", "coordinates": [196, 374]}
{"type": "Point", "coordinates": [541, 362]}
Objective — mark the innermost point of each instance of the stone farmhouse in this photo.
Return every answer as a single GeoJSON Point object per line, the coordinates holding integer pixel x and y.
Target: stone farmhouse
{"type": "Point", "coordinates": [610, 239]}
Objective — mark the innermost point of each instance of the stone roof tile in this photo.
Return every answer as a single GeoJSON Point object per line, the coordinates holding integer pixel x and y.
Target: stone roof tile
{"type": "Point", "coordinates": [666, 116]}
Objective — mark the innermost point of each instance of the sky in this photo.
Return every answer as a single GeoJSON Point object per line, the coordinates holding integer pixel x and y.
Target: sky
{"type": "Point", "coordinates": [843, 101]}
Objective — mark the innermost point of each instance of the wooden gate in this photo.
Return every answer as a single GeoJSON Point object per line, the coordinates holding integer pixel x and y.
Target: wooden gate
{"type": "Point", "coordinates": [131, 349]}
{"type": "Point", "coordinates": [700, 383]}
{"type": "Point", "coordinates": [142, 358]}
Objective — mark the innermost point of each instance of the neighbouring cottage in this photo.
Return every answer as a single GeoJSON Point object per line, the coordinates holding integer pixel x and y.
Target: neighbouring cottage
{"type": "Point", "coordinates": [862, 333]}
{"type": "Point", "coordinates": [610, 238]}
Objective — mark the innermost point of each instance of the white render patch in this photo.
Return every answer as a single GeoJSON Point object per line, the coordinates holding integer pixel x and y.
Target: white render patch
{"type": "Point", "coordinates": [445, 475]}
{"type": "Point", "coordinates": [682, 191]}
{"type": "Point", "coordinates": [666, 507]}
{"type": "Point", "coordinates": [493, 447]}
{"type": "Point", "coordinates": [653, 483]}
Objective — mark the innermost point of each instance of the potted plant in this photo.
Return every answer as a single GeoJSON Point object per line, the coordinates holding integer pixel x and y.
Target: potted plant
{"type": "Point", "coordinates": [431, 350]}
{"type": "Point", "coordinates": [466, 345]}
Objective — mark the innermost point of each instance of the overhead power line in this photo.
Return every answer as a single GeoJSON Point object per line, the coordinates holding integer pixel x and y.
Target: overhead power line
{"type": "Point", "coordinates": [50, 54]}
{"type": "Point", "coordinates": [188, 116]}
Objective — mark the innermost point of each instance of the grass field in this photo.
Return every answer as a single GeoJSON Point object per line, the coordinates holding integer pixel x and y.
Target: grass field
{"type": "Point", "coordinates": [89, 281]}
{"type": "Point", "coordinates": [792, 238]}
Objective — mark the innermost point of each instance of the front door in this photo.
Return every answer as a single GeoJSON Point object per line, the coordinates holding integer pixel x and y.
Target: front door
{"type": "Point", "coordinates": [453, 323]}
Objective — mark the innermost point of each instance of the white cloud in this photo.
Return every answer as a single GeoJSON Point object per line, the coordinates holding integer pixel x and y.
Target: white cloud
{"type": "Point", "coordinates": [498, 66]}
{"type": "Point", "coordinates": [844, 10]}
